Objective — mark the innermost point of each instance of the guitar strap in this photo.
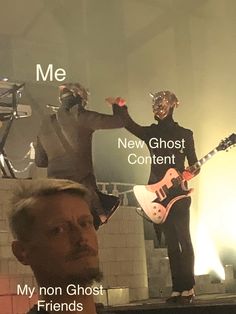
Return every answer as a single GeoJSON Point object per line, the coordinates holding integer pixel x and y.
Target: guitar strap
{"type": "Point", "coordinates": [68, 148]}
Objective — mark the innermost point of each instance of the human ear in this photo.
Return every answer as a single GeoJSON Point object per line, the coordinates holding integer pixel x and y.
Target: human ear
{"type": "Point", "coordinates": [20, 251]}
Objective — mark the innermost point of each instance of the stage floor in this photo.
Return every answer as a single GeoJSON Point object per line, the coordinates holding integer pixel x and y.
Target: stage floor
{"type": "Point", "coordinates": [207, 303]}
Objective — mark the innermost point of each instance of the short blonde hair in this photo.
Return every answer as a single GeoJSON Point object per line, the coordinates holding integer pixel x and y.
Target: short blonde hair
{"type": "Point", "coordinates": [26, 195]}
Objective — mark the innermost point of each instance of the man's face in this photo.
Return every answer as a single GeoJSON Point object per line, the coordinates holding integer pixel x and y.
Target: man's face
{"type": "Point", "coordinates": [63, 247]}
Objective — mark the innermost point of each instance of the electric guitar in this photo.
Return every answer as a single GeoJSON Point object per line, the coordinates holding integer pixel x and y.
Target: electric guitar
{"type": "Point", "coordinates": [157, 199]}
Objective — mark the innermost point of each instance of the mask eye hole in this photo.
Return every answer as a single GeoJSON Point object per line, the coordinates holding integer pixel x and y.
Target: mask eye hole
{"type": "Point", "coordinates": [158, 99]}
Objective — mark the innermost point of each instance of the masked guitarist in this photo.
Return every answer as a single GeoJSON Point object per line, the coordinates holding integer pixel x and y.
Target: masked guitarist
{"type": "Point", "coordinates": [177, 143]}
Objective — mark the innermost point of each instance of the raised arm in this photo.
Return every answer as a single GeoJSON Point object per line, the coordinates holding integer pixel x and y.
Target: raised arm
{"type": "Point", "coordinates": [99, 121]}
{"type": "Point", "coordinates": [130, 124]}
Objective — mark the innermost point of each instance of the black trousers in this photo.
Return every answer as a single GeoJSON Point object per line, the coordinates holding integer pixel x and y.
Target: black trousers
{"type": "Point", "coordinates": [179, 245]}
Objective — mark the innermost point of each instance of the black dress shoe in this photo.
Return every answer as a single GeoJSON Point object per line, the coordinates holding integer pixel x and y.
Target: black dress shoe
{"type": "Point", "coordinates": [184, 300]}
{"type": "Point", "coordinates": [173, 299]}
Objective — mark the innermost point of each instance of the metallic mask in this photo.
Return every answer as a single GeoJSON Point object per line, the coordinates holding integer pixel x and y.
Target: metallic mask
{"type": "Point", "coordinates": [163, 104]}
{"type": "Point", "coordinates": [75, 93]}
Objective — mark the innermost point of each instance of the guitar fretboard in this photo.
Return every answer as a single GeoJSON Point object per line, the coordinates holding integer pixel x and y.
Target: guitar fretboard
{"type": "Point", "coordinates": [201, 161]}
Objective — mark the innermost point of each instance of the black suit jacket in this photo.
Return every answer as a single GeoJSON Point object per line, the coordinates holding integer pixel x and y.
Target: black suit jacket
{"type": "Point", "coordinates": [72, 159]}
{"type": "Point", "coordinates": [164, 131]}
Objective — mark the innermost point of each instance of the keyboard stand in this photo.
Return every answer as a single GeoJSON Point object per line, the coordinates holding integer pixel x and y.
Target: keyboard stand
{"type": "Point", "coordinates": [5, 165]}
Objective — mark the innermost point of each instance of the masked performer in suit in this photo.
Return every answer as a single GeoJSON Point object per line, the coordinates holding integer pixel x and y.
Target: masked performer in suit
{"type": "Point", "coordinates": [64, 145]}
{"type": "Point", "coordinates": [176, 226]}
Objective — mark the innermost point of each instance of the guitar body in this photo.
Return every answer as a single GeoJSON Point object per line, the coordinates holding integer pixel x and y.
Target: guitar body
{"type": "Point", "coordinates": [157, 199]}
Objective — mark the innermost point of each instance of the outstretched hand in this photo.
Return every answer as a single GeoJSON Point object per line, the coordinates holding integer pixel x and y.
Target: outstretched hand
{"type": "Point", "coordinates": [118, 100]}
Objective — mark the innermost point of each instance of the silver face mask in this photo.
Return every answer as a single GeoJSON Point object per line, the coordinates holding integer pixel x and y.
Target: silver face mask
{"type": "Point", "coordinates": [74, 90]}
{"type": "Point", "coordinates": [163, 104]}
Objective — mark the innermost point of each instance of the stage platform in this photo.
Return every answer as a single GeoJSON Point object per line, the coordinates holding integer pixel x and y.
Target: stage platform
{"type": "Point", "coordinates": [203, 304]}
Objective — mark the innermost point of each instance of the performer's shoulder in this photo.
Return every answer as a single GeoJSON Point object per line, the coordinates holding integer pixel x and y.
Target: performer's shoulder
{"type": "Point", "coordinates": [185, 131]}
{"type": "Point", "coordinates": [85, 114]}
{"type": "Point", "coordinates": [152, 126]}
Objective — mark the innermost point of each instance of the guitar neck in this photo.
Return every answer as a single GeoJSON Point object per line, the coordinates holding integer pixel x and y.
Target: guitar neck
{"type": "Point", "coordinates": [202, 161]}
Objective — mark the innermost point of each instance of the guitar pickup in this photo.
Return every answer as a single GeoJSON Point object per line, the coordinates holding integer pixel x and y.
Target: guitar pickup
{"type": "Point", "coordinates": [161, 195]}
{"type": "Point", "coordinates": [176, 182]}
{"type": "Point", "coordinates": [165, 189]}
